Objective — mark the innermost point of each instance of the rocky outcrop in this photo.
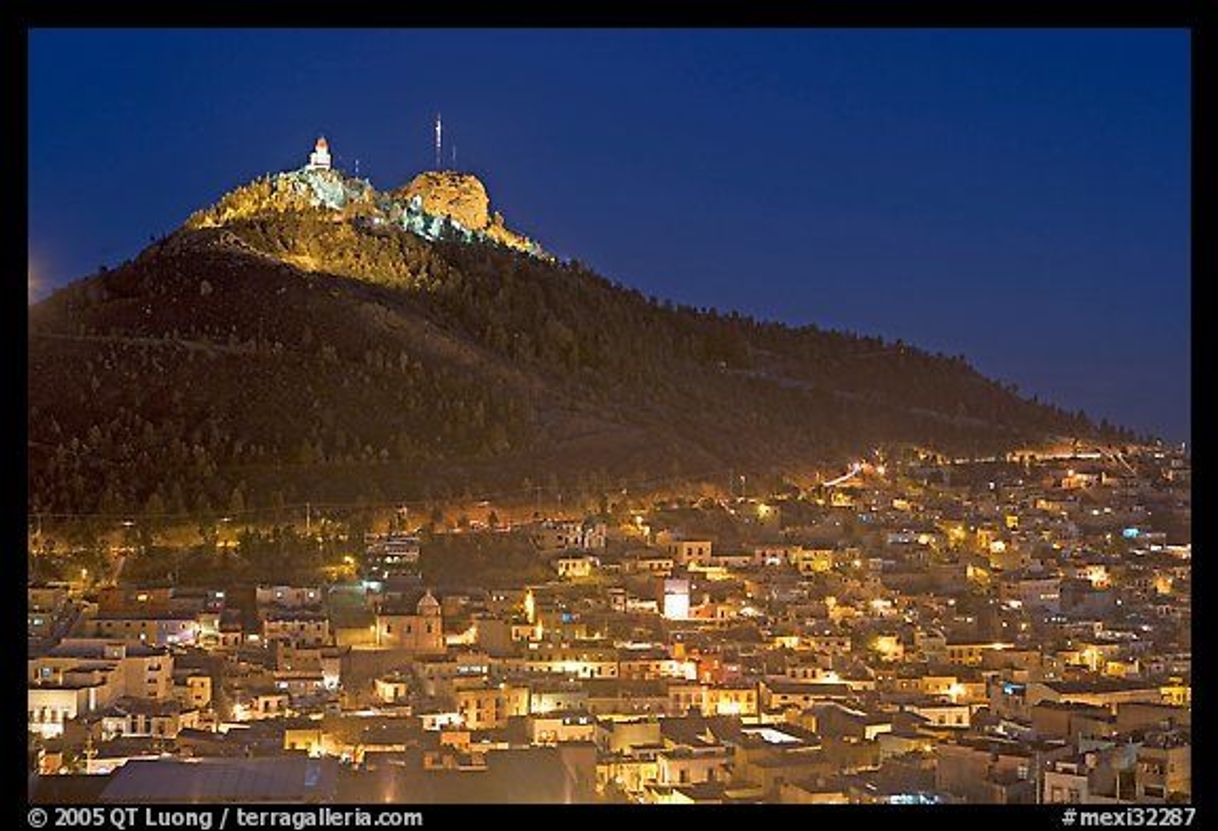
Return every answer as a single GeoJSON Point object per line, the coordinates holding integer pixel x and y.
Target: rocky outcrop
{"type": "Point", "coordinates": [422, 207]}
{"type": "Point", "coordinates": [459, 196]}
{"type": "Point", "coordinates": [463, 198]}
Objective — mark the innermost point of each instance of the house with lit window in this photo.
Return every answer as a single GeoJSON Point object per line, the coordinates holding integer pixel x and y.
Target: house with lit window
{"type": "Point", "coordinates": [685, 765]}
{"type": "Point", "coordinates": [142, 717]}
{"type": "Point", "coordinates": [574, 567]}
{"type": "Point", "coordinates": [83, 675]}
{"type": "Point", "coordinates": [688, 551]}
{"type": "Point", "coordinates": [152, 628]}
{"type": "Point", "coordinates": [559, 727]}
{"type": "Point", "coordinates": [288, 597]}
{"type": "Point", "coordinates": [295, 627]}
{"type": "Point", "coordinates": [488, 706]}
{"type": "Point", "coordinates": [740, 699]}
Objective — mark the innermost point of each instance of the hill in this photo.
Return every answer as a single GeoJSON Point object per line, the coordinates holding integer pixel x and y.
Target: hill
{"type": "Point", "coordinates": [310, 338]}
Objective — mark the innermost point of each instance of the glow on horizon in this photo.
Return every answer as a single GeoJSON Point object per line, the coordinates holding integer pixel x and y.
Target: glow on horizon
{"type": "Point", "coordinates": [34, 282]}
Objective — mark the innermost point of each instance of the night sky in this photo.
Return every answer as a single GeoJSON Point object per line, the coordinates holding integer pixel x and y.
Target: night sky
{"type": "Point", "coordinates": [1020, 197]}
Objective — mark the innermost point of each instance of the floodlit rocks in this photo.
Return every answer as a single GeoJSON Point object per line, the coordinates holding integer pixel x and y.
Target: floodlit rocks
{"type": "Point", "coordinates": [460, 196]}
{"type": "Point", "coordinates": [434, 205]}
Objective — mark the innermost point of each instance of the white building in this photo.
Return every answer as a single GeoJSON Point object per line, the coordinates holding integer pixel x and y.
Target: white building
{"type": "Point", "coordinates": [676, 599]}
{"type": "Point", "coordinates": [319, 159]}
{"type": "Point", "coordinates": [84, 675]}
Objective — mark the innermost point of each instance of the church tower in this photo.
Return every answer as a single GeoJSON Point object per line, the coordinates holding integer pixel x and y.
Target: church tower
{"type": "Point", "coordinates": [319, 159]}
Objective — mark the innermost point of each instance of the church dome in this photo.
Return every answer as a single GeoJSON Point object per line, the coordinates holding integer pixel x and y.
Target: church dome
{"type": "Point", "coordinates": [428, 605]}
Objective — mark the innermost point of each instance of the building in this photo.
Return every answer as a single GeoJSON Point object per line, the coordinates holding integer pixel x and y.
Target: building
{"type": "Point", "coordinates": [486, 707]}
{"type": "Point", "coordinates": [83, 675]}
{"type": "Point", "coordinates": [280, 779]}
{"type": "Point", "coordinates": [420, 631]}
{"type": "Point", "coordinates": [674, 598]}
{"type": "Point", "coordinates": [686, 552]}
{"type": "Point", "coordinates": [154, 628]}
{"type": "Point", "coordinates": [574, 567]}
{"type": "Point", "coordinates": [142, 717]}
{"type": "Point", "coordinates": [1164, 768]}
{"type": "Point", "coordinates": [391, 555]}
{"type": "Point", "coordinates": [298, 628]}
{"type": "Point", "coordinates": [565, 535]}
{"type": "Point", "coordinates": [319, 159]}
{"type": "Point", "coordinates": [288, 597]}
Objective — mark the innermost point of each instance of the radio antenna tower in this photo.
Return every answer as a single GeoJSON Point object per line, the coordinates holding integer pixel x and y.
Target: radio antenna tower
{"type": "Point", "coordinates": [439, 141]}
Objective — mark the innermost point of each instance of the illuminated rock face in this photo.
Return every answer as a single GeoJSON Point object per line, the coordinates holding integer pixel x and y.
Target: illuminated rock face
{"type": "Point", "coordinates": [459, 196]}
{"type": "Point", "coordinates": [435, 205]}
{"type": "Point", "coordinates": [463, 198]}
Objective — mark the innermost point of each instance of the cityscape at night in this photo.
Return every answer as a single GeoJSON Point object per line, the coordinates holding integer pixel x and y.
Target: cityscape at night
{"type": "Point", "coordinates": [631, 417]}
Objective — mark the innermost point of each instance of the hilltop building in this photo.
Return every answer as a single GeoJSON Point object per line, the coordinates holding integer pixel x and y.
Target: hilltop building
{"type": "Point", "coordinates": [319, 159]}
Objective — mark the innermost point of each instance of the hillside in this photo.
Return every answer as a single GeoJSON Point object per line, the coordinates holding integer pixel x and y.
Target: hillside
{"type": "Point", "coordinates": [309, 338]}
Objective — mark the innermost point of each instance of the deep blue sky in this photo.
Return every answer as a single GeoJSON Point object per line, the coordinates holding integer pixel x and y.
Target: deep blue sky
{"type": "Point", "coordinates": [1018, 196]}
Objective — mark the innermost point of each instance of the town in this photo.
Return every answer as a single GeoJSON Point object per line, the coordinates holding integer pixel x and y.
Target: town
{"type": "Point", "coordinates": [913, 629]}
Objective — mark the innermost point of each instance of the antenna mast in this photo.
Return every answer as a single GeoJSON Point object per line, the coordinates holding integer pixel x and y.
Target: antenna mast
{"type": "Point", "coordinates": [439, 141]}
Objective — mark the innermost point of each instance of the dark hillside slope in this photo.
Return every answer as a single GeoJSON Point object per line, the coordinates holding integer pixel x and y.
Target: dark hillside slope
{"type": "Point", "coordinates": [303, 354]}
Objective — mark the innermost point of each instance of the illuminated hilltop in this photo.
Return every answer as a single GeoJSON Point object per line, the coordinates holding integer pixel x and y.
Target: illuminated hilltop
{"type": "Point", "coordinates": [434, 205]}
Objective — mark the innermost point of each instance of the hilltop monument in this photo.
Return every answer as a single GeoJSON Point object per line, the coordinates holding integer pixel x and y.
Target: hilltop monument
{"type": "Point", "coordinates": [319, 159]}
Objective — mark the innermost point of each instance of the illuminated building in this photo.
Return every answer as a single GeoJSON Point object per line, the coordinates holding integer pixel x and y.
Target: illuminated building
{"type": "Point", "coordinates": [485, 707]}
{"type": "Point", "coordinates": [298, 628]}
{"type": "Point", "coordinates": [420, 632]}
{"type": "Point", "coordinates": [732, 700]}
{"type": "Point", "coordinates": [675, 598]}
{"type": "Point", "coordinates": [319, 159]}
{"type": "Point", "coordinates": [685, 552]}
